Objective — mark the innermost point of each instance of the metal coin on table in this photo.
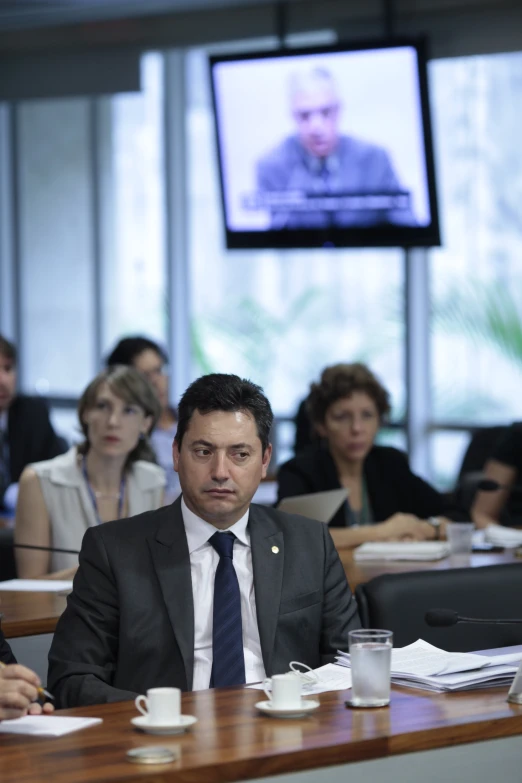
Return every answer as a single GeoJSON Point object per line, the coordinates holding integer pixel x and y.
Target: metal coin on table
{"type": "Point", "coordinates": [153, 754]}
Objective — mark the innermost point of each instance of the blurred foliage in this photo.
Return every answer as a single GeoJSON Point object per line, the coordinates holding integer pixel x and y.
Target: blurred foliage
{"type": "Point", "coordinates": [490, 315]}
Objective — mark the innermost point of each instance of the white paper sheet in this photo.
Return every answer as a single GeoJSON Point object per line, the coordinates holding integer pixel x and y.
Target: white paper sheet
{"type": "Point", "coordinates": [46, 725]}
{"type": "Point", "coordinates": [331, 678]}
{"type": "Point", "coordinates": [402, 550]}
{"type": "Point", "coordinates": [506, 537]}
{"type": "Point", "coordinates": [423, 659]}
{"type": "Point", "coordinates": [37, 585]}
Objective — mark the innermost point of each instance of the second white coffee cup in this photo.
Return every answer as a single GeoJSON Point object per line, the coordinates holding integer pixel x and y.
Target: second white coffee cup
{"type": "Point", "coordinates": [285, 691]}
{"type": "Point", "coordinates": [162, 706]}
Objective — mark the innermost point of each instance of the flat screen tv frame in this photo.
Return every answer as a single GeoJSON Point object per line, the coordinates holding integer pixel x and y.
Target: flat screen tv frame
{"type": "Point", "coordinates": [337, 237]}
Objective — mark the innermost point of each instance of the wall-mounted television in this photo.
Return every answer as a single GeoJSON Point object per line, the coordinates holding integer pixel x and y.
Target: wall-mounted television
{"type": "Point", "coordinates": [326, 147]}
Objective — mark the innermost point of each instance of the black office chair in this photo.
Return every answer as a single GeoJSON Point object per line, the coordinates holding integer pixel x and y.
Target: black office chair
{"type": "Point", "coordinates": [399, 602]}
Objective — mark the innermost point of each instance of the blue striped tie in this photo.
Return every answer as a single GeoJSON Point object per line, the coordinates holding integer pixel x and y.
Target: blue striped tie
{"type": "Point", "coordinates": [228, 667]}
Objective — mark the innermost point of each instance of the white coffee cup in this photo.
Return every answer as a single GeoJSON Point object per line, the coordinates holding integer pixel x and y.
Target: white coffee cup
{"type": "Point", "coordinates": [285, 691]}
{"type": "Point", "coordinates": [162, 706]}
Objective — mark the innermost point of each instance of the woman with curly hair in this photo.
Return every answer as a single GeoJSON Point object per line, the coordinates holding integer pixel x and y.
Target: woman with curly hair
{"type": "Point", "coordinates": [386, 501]}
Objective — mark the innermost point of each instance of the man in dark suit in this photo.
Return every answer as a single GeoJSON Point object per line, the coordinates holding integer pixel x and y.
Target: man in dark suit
{"type": "Point", "coordinates": [212, 590]}
{"type": "Point", "coordinates": [319, 162]}
{"type": "Point", "coordinates": [26, 433]}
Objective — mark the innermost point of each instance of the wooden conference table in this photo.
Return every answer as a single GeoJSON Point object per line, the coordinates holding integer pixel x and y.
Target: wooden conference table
{"type": "Point", "coordinates": [231, 741]}
{"type": "Point", "coordinates": [29, 614]}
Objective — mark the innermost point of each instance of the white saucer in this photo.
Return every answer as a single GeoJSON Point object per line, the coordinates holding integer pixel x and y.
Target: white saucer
{"type": "Point", "coordinates": [307, 706]}
{"type": "Point", "coordinates": [185, 721]}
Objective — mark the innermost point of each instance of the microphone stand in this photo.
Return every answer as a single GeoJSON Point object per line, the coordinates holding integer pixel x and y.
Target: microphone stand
{"type": "Point", "coordinates": [47, 549]}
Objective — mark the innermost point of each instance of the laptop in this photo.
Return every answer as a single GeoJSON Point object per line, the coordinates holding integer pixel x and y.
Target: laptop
{"type": "Point", "coordinates": [319, 505]}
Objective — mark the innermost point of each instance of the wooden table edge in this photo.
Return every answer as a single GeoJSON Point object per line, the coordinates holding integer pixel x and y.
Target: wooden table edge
{"type": "Point", "coordinates": [14, 629]}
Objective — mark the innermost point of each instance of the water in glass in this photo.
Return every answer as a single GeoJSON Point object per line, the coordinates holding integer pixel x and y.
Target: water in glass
{"type": "Point", "coordinates": [371, 662]}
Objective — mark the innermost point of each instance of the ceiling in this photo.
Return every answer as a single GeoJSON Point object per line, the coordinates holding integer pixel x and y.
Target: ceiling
{"type": "Point", "coordinates": [26, 14]}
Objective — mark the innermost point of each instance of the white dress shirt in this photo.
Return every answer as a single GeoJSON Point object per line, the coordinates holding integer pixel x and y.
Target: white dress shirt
{"type": "Point", "coordinates": [203, 563]}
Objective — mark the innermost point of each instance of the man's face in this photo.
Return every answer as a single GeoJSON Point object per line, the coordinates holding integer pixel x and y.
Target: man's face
{"type": "Point", "coordinates": [7, 382]}
{"type": "Point", "coordinates": [220, 464]}
{"type": "Point", "coordinates": [315, 108]}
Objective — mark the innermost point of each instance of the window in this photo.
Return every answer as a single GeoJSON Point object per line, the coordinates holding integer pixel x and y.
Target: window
{"type": "Point", "coordinates": [476, 277]}
{"type": "Point", "coordinates": [133, 213]}
{"type": "Point", "coordinates": [87, 167]}
{"type": "Point", "coordinates": [56, 246]}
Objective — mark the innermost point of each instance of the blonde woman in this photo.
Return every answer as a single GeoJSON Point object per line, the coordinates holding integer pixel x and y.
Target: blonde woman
{"type": "Point", "coordinates": [111, 475]}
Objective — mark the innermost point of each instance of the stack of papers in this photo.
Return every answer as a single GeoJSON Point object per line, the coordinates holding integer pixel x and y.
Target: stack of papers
{"type": "Point", "coordinates": [421, 665]}
{"type": "Point", "coordinates": [506, 537]}
{"type": "Point", "coordinates": [402, 550]}
{"type": "Point", "coordinates": [46, 725]}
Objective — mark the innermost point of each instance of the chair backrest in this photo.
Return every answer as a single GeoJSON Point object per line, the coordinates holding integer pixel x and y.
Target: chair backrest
{"type": "Point", "coordinates": [399, 602]}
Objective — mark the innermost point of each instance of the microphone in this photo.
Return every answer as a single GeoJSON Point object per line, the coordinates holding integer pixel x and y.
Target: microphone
{"type": "Point", "coordinates": [442, 618]}
{"type": "Point", "coordinates": [47, 549]}
{"type": "Point", "coordinates": [490, 485]}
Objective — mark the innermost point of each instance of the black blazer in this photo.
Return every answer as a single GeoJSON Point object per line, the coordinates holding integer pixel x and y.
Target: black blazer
{"type": "Point", "coordinates": [30, 434]}
{"type": "Point", "coordinates": [6, 654]}
{"type": "Point", "coordinates": [129, 622]}
{"type": "Point", "coordinates": [391, 485]}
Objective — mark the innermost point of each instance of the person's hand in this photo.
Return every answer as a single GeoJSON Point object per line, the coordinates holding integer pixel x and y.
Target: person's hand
{"type": "Point", "coordinates": [406, 527]}
{"type": "Point", "coordinates": [19, 692]}
{"type": "Point", "coordinates": [38, 709]}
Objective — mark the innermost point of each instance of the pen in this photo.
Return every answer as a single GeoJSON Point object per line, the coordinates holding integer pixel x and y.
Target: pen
{"type": "Point", "coordinates": [43, 695]}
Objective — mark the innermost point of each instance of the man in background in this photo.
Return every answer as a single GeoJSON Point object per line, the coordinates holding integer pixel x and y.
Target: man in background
{"type": "Point", "coordinates": [320, 161]}
{"type": "Point", "coordinates": [26, 433]}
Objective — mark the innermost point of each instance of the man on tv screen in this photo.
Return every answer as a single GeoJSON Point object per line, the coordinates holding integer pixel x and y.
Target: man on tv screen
{"type": "Point", "coordinates": [319, 177]}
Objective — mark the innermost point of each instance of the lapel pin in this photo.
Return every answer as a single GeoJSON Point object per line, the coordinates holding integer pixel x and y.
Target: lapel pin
{"type": "Point", "coordinates": [275, 550]}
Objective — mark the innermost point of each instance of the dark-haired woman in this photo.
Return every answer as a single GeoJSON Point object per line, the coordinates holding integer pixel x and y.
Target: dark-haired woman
{"type": "Point", "coordinates": [109, 476]}
{"type": "Point", "coordinates": [386, 500]}
{"type": "Point", "coordinates": [150, 359]}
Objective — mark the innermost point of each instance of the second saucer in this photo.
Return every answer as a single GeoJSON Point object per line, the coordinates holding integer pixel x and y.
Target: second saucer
{"type": "Point", "coordinates": [185, 721]}
{"type": "Point", "coordinates": [307, 706]}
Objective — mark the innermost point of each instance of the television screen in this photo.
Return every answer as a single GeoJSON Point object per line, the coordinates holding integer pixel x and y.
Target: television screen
{"type": "Point", "coordinates": [326, 147]}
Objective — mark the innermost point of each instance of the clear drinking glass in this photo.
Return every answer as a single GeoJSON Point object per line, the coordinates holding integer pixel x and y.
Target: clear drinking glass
{"type": "Point", "coordinates": [460, 537]}
{"type": "Point", "coordinates": [370, 657]}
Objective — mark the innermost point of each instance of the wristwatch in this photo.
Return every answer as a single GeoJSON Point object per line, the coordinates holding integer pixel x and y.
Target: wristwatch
{"type": "Point", "coordinates": [435, 523]}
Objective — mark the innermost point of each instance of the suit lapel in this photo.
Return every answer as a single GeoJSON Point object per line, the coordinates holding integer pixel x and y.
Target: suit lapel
{"type": "Point", "coordinates": [171, 559]}
{"type": "Point", "coordinates": [268, 553]}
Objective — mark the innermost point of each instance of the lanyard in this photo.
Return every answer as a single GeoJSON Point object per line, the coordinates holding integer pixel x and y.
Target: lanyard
{"type": "Point", "coordinates": [93, 496]}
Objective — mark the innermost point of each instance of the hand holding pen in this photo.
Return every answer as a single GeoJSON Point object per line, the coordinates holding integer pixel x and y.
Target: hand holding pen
{"type": "Point", "coordinates": [21, 692]}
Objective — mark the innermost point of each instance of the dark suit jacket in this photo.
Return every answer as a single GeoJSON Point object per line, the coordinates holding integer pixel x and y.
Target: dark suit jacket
{"type": "Point", "coordinates": [391, 485]}
{"type": "Point", "coordinates": [6, 654]}
{"type": "Point", "coordinates": [30, 434]}
{"type": "Point", "coordinates": [363, 167]}
{"type": "Point", "coordinates": [129, 622]}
